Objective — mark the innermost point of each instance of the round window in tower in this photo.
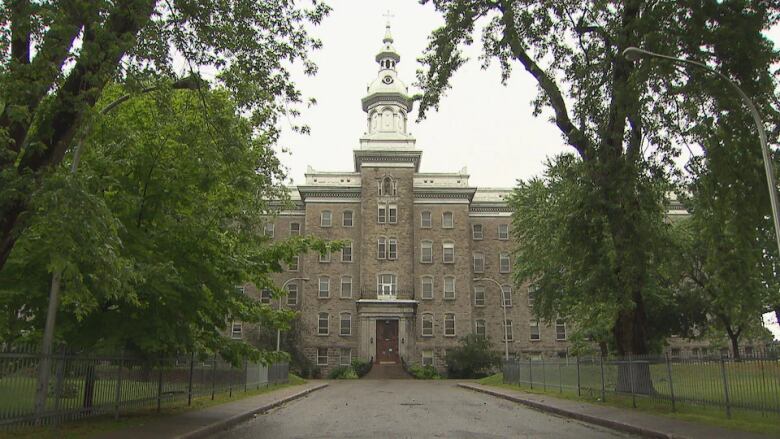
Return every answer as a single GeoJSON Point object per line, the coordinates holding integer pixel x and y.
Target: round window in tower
{"type": "Point", "coordinates": [387, 79]}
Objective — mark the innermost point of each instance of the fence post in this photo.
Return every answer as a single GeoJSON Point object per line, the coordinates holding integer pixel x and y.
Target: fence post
{"type": "Point", "coordinates": [59, 378]}
{"type": "Point", "coordinates": [560, 377]}
{"type": "Point", "coordinates": [189, 383]}
{"type": "Point", "coordinates": [213, 375]}
{"type": "Point", "coordinates": [631, 380]}
{"type": "Point", "coordinates": [246, 371]}
{"type": "Point", "coordinates": [725, 386]}
{"type": "Point", "coordinates": [603, 384]}
{"type": "Point", "coordinates": [544, 375]}
{"type": "Point", "coordinates": [531, 371]}
{"type": "Point", "coordinates": [118, 396]}
{"type": "Point", "coordinates": [671, 385]}
{"type": "Point", "coordinates": [579, 391]}
{"type": "Point", "coordinates": [159, 385]}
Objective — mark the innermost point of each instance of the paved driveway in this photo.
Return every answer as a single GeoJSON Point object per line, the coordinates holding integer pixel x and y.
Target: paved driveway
{"type": "Point", "coordinates": [406, 409]}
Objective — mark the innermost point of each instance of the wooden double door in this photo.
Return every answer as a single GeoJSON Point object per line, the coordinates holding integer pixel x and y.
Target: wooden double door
{"type": "Point", "coordinates": [387, 341]}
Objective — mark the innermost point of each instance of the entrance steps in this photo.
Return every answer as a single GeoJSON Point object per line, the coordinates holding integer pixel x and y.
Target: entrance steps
{"type": "Point", "coordinates": [387, 372]}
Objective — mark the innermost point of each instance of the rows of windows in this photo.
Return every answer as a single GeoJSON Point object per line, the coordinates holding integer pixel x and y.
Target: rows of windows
{"type": "Point", "coordinates": [480, 328]}
{"type": "Point", "coordinates": [326, 220]}
{"type": "Point", "coordinates": [447, 252]}
{"type": "Point", "coordinates": [477, 232]}
{"type": "Point", "coordinates": [344, 356]}
{"type": "Point", "coordinates": [345, 287]}
{"type": "Point", "coordinates": [346, 253]}
{"type": "Point", "coordinates": [506, 295]}
{"type": "Point", "coordinates": [387, 213]}
{"type": "Point", "coordinates": [426, 220]}
{"type": "Point", "coordinates": [504, 262]}
{"type": "Point", "coordinates": [345, 323]}
{"type": "Point", "coordinates": [266, 295]}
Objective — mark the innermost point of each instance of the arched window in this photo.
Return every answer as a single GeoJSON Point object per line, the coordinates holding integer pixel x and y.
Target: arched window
{"type": "Point", "coordinates": [447, 222]}
{"type": "Point", "coordinates": [388, 187]}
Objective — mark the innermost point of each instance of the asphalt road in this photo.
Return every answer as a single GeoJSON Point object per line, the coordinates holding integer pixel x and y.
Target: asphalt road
{"type": "Point", "coordinates": [409, 409]}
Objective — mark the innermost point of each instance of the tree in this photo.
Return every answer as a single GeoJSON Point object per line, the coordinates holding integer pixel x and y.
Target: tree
{"type": "Point", "coordinates": [623, 120]}
{"type": "Point", "coordinates": [474, 358]}
{"type": "Point", "coordinates": [57, 58]}
{"type": "Point", "coordinates": [177, 212]}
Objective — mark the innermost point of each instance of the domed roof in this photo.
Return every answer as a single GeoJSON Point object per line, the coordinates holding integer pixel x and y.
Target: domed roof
{"type": "Point", "coordinates": [387, 86]}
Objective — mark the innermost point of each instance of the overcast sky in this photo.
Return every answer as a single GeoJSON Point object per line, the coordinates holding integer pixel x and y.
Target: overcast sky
{"type": "Point", "coordinates": [481, 124]}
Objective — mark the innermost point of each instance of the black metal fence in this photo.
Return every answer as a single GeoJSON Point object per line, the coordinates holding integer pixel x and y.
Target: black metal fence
{"type": "Point", "coordinates": [82, 386]}
{"type": "Point", "coordinates": [750, 383]}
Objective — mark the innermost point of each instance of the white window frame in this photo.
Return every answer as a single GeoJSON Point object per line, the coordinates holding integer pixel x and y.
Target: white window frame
{"type": "Point", "coordinates": [341, 323]}
{"type": "Point", "coordinates": [392, 249]}
{"type": "Point", "coordinates": [236, 330]}
{"type": "Point", "coordinates": [426, 245]}
{"type": "Point", "coordinates": [477, 232]}
{"type": "Point", "coordinates": [266, 295]}
{"type": "Point", "coordinates": [326, 279]}
{"type": "Point", "coordinates": [325, 257]}
{"type": "Point", "coordinates": [504, 263]}
{"type": "Point", "coordinates": [342, 283]}
{"type": "Point", "coordinates": [269, 230]}
{"type": "Point", "coordinates": [448, 295]}
{"type": "Point", "coordinates": [384, 289]}
{"type": "Point", "coordinates": [478, 257]}
{"type": "Point", "coordinates": [534, 330]}
{"type": "Point", "coordinates": [292, 294]}
{"type": "Point", "coordinates": [507, 331]}
{"type": "Point", "coordinates": [480, 324]}
{"type": "Point", "coordinates": [448, 246]}
{"type": "Point", "coordinates": [326, 214]}
{"type": "Point", "coordinates": [295, 232]}
{"type": "Point", "coordinates": [319, 324]}
{"type": "Point", "coordinates": [346, 251]}
{"type": "Point", "coordinates": [423, 215]}
{"type": "Point", "coordinates": [560, 324]}
{"type": "Point", "coordinates": [426, 317]}
{"type": "Point", "coordinates": [505, 235]}
{"type": "Point", "coordinates": [344, 218]}
{"type": "Point", "coordinates": [381, 247]}
{"type": "Point", "coordinates": [449, 317]}
{"type": "Point", "coordinates": [295, 265]}
{"type": "Point", "coordinates": [444, 224]}
{"type": "Point", "coordinates": [532, 291]}
{"type": "Point", "coordinates": [349, 356]}
{"type": "Point", "coordinates": [381, 214]}
{"type": "Point", "coordinates": [506, 295]}
{"type": "Point", "coordinates": [429, 295]}
{"type": "Point", "coordinates": [240, 289]}
{"type": "Point", "coordinates": [479, 295]}
{"type": "Point", "coordinates": [427, 354]}
{"type": "Point", "coordinates": [319, 357]}
{"type": "Point", "coordinates": [392, 214]}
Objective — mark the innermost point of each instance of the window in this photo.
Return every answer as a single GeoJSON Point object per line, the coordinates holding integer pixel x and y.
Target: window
{"type": "Point", "coordinates": [425, 220]}
{"type": "Point", "coordinates": [346, 218]}
{"type": "Point", "coordinates": [427, 358]}
{"type": "Point", "coordinates": [476, 231]}
{"type": "Point", "coordinates": [392, 249]}
{"type": "Point", "coordinates": [387, 187]}
{"type": "Point", "coordinates": [503, 232]}
{"type": "Point", "coordinates": [292, 294]}
{"type": "Point", "coordinates": [506, 294]}
{"type": "Point", "coordinates": [534, 334]}
{"type": "Point", "coordinates": [236, 330]}
{"type": "Point", "coordinates": [448, 252]}
{"type": "Point", "coordinates": [503, 263]}
{"type": "Point", "coordinates": [386, 284]}
{"type": "Point", "coordinates": [446, 220]}
{"type": "Point", "coordinates": [479, 328]}
{"type": "Point", "coordinates": [324, 290]}
{"type": "Point", "coordinates": [323, 321]}
{"type": "Point", "coordinates": [532, 292]}
{"type": "Point", "coordinates": [508, 334]}
{"type": "Point", "coordinates": [449, 288]}
{"type": "Point", "coordinates": [345, 356]}
{"type": "Point", "coordinates": [346, 287]}
{"type": "Point", "coordinates": [381, 247]}
{"type": "Point", "coordinates": [295, 229]}
{"type": "Point", "coordinates": [326, 218]}
{"type": "Point", "coordinates": [392, 214]}
{"type": "Point", "coordinates": [381, 216]}
{"type": "Point", "coordinates": [479, 263]}
{"type": "Point", "coordinates": [449, 324]}
{"type": "Point", "coordinates": [294, 264]}
{"type": "Point", "coordinates": [560, 330]}
{"type": "Point", "coordinates": [345, 327]}
{"type": "Point", "coordinates": [479, 296]}
{"type": "Point", "coordinates": [427, 287]}
{"type": "Point", "coordinates": [265, 295]}
{"type": "Point", "coordinates": [325, 257]}
{"type": "Point", "coordinates": [346, 252]}
{"type": "Point", "coordinates": [269, 230]}
{"type": "Point", "coordinates": [426, 252]}
{"type": "Point", "coordinates": [240, 289]}
{"type": "Point", "coordinates": [427, 325]}
{"type": "Point", "coordinates": [322, 356]}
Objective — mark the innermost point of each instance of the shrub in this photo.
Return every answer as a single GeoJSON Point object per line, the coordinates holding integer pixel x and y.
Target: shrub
{"type": "Point", "coordinates": [361, 367]}
{"type": "Point", "coordinates": [342, 373]}
{"type": "Point", "coordinates": [472, 359]}
{"type": "Point", "coordinates": [424, 372]}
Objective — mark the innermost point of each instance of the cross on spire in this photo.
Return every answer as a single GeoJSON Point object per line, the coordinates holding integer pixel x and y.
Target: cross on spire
{"type": "Point", "coordinates": [388, 15]}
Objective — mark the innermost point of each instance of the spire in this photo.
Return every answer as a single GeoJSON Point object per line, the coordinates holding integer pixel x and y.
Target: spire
{"type": "Point", "coordinates": [388, 36]}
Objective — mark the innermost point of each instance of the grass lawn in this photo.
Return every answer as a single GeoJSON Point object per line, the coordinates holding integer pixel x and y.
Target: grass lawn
{"type": "Point", "coordinates": [93, 427]}
{"type": "Point", "coordinates": [740, 419]}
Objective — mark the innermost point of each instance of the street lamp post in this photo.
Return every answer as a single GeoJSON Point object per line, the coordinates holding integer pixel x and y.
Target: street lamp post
{"type": "Point", "coordinates": [503, 307]}
{"type": "Point", "coordinates": [279, 308]}
{"type": "Point", "coordinates": [633, 53]}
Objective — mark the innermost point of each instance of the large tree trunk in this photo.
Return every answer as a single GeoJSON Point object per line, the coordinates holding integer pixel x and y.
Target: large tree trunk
{"type": "Point", "coordinates": [734, 340]}
{"type": "Point", "coordinates": [631, 339]}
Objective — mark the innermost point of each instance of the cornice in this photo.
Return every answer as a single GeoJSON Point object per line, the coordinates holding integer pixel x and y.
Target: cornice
{"type": "Point", "coordinates": [331, 192]}
{"type": "Point", "coordinates": [444, 193]}
{"type": "Point", "coordinates": [385, 156]}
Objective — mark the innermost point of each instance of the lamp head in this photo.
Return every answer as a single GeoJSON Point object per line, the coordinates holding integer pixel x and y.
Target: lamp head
{"type": "Point", "coordinates": [633, 53]}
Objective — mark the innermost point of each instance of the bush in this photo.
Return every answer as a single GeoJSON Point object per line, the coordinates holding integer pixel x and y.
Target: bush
{"type": "Point", "coordinates": [472, 359]}
{"type": "Point", "coordinates": [361, 367]}
{"type": "Point", "coordinates": [343, 373]}
{"type": "Point", "coordinates": [424, 372]}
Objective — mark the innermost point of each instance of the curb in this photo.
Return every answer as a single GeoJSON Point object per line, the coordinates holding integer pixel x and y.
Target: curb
{"type": "Point", "coordinates": [615, 425]}
{"type": "Point", "coordinates": [224, 424]}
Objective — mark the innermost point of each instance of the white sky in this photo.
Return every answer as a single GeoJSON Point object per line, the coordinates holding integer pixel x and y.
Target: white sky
{"type": "Point", "coordinates": [481, 124]}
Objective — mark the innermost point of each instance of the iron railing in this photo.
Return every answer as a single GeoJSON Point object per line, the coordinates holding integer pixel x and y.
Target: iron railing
{"type": "Point", "coordinates": [750, 383]}
{"type": "Point", "coordinates": [83, 386]}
